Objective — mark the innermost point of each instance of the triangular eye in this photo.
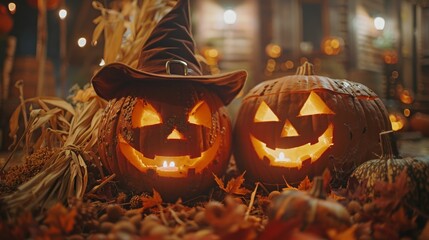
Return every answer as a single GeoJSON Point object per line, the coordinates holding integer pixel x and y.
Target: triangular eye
{"type": "Point", "coordinates": [288, 130]}
{"type": "Point", "coordinates": [265, 114]}
{"type": "Point", "coordinates": [314, 105]}
{"type": "Point", "coordinates": [201, 115]}
{"type": "Point", "coordinates": [144, 114]}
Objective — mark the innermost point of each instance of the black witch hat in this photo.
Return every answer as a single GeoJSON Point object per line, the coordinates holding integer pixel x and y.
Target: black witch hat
{"type": "Point", "coordinates": [168, 55]}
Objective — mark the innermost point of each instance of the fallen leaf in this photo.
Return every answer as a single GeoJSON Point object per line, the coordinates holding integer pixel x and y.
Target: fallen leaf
{"type": "Point", "coordinates": [349, 233]}
{"type": "Point", "coordinates": [305, 184]}
{"type": "Point", "coordinates": [60, 220]}
{"type": "Point", "coordinates": [233, 186]}
{"type": "Point", "coordinates": [149, 202]}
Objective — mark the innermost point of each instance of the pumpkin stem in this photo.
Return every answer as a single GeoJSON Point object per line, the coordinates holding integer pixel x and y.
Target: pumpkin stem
{"type": "Point", "coordinates": [305, 69]}
{"type": "Point", "coordinates": [318, 188]}
{"type": "Point", "coordinates": [389, 149]}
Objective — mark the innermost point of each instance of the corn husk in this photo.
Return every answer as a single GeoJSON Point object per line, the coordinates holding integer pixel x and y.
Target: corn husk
{"type": "Point", "coordinates": [126, 30]}
{"type": "Point", "coordinates": [71, 128]}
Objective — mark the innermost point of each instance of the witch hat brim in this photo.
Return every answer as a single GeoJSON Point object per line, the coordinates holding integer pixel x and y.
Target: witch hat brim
{"type": "Point", "coordinates": [170, 40]}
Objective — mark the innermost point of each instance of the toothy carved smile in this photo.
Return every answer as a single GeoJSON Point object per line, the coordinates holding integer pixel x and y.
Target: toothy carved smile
{"type": "Point", "coordinates": [172, 166]}
{"type": "Point", "coordinates": [293, 157]}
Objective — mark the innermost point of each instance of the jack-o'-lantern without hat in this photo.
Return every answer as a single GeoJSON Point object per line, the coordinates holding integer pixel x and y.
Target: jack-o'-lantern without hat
{"type": "Point", "coordinates": [166, 126]}
{"type": "Point", "coordinates": [299, 125]}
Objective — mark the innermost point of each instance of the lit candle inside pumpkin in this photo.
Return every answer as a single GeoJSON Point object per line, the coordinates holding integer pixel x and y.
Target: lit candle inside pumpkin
{"type": "Point", "coordinates": [168, 166]}
{"type": "Point", "coordinates": [282, 158]}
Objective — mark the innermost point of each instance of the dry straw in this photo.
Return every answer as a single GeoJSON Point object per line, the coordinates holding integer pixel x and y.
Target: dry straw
{"type": "Point", "coordinates": [70, 127]}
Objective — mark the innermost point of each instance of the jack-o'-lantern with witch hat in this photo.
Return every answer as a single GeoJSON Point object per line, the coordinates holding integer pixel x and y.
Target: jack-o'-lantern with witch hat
{"type": "Point", "coordinates": [166, 126]}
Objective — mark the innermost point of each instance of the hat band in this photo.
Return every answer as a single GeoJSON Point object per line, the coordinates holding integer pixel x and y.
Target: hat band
{"type": "Point", "coordinates": [176, 67]}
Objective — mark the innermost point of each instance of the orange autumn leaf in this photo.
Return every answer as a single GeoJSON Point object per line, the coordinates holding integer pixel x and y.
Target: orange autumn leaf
{"type": "Point", "coordinates": [305, 184]}
{"type": "Point", "coordinates": [335, 196]}
{"type": "Point", "coordinates": [60, 220]}
{"type": "Point", "coordinates": [349, 233]}
{"type": "Point", "coordinates": [233, 186]}
{"type": "Point", "coordinates": [149, 202]}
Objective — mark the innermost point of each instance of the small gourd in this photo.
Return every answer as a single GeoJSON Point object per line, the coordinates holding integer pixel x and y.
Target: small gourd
{"type": "Point", "coordinates": [388, 167]}
{"type": "Point", "coordinates": [311, 208]}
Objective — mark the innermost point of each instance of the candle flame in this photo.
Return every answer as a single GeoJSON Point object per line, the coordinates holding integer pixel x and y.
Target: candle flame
{"type": "Point", "coordinates": [164, 164]}
{"type": "Point", "coordinates": [172, 164]}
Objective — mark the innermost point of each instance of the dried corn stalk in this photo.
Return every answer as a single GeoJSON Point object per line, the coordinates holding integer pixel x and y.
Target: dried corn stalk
{"type": "Point", "coordinates": [125, 31]}
{"type": "Point", "coordinates": [71, 131]}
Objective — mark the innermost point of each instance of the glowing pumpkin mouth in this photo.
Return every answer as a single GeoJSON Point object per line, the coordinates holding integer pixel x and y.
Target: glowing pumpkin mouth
{"type": "Point", "coordinates": [293, 157]}
{"type": "Point", "coordinates": [169, 166]}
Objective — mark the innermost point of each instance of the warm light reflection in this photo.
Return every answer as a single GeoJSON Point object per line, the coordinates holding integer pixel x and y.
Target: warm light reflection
{"type": "Point", "coordinates": [289, 64]}
{"type": "Point", "coordinates": [332, 46]}
{"type": "Point", "coordinates": [314, 105]}
{"type": "Point", "coordinates": [175, 134]}
{"type": "Point", "coordinates": [102, 63]}
{"type": "Point", "coordinates": [293, 157]}
{"type": "Point", "coordinates": [265, 114]}
{"type": "Point", "coordinates": [397, 122]}
{"type": "Point", "coordinates": [182, 164]}
{"type": "Point", "coordinates": [166, 167]}
{"type": "Point", "coordinates": [288, 130]}
{"type": "Point", "coordinates": [406, 97]}
{"type": "Point", "coordinates": [273, 50]}
{"type": "Point", "coordinates": [12, 7]}
{"type": "Point", "coordinates": [144, 114]}
{"type": "Point", "coordinates": [201, 115]}
{"type": "Point", "coordinates": [407, 112]}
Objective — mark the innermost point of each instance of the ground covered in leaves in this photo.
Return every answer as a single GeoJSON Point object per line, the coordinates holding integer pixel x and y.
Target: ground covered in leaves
{"type": "Point", "coordinates": [232, 209]}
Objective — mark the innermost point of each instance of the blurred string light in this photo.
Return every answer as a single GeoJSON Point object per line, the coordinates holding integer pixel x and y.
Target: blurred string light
{"type": "Point", "coordinates": [229, 17]}
{"type": "Point", "coordinates": [407, 112]}
{"type": "Point", "coordinates": [379, 23]}
{"type": "Point", "coordinates": [12, 7]}
{"type": "Point", "coordinates": [62, 13]}
{"type": "Point", "coordinates": [81, 42]}
{"type": "Point", "coordinates": [332, 45]}
{"type": "Point", "coordinates": [273, 50]}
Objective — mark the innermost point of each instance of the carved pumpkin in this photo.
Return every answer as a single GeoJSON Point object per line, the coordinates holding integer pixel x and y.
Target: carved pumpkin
{"type": "Point", "coordinates": [178, 137]}
{"type": "Point", "coordinates": [311, 209]}
{"type": "Point", "coordinates": [296, 126]}
{"type": "Point", "coordinates": [388, 167]}
{"type": "Point", "coordinates": [166, 126]}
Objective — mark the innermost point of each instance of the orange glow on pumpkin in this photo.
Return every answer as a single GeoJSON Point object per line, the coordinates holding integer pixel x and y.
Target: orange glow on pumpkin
{"type": "Point", "coordinates": [168, 166]}
{"type": "Point", "coordinates": [265, 114]}
{"type": "Point", "coordinates": [144, 114]}
{"type": "Point", "coordinates": [201, 115]}
{"type": "Point", "coordinates": [314, 105]}
{"type": "Point", "coordinates": [175, 134]}
{"type": "Point", "coordinates": [293, 157]}
{"type": "Point", "coordinates": [289, 130]}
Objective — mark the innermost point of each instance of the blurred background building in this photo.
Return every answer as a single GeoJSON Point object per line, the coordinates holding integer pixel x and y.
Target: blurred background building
{"type": "Point", "coordinates": [383, 44]}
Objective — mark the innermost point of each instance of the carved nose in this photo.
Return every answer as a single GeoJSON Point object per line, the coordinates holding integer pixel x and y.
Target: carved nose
{"type": "Point", "coordinates": [289, 130]}
{"type": "Point", "coordinates": [175, 134]}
